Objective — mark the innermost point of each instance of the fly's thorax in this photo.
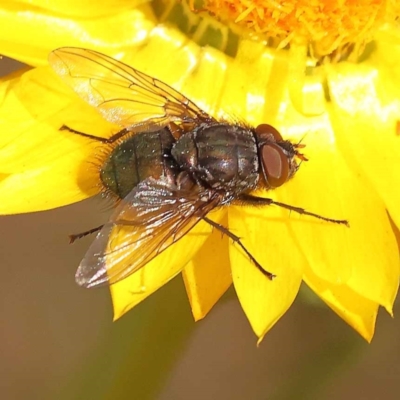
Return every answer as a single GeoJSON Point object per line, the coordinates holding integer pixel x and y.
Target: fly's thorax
{"type": "Point", "coordinates": [137, 158]}
{"type": "Point", "coordinates": [221, 155]}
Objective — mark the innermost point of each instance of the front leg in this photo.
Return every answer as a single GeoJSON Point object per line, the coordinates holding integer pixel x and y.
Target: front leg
{"type": "Point", "coordinates": [263, 201]}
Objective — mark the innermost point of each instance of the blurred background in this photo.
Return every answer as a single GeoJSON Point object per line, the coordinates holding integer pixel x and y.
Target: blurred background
{"type": "Point", "coordinates": [58, 341]}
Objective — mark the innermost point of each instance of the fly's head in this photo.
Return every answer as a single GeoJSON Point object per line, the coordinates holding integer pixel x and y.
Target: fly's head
{"type": "Point", "coordinates": [279, 158]}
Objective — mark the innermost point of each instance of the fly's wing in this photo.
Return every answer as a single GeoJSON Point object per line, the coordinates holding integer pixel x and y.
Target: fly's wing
{"type": "Point", "coordinates": [150, 219]}
{"type": "Point", "coordinates": [122, 94]}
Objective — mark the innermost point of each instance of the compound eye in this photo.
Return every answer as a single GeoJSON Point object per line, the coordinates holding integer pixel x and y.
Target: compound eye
{"type": "Point", "coordinates": [275, 165]}
{"type": "Point", "coordinates": [265, 129]}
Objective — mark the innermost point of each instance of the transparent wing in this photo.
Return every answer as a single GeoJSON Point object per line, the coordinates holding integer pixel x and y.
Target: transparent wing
{"type": "Point", "coordinates": [122, 94]}
{"type": "Point", "coordinates": [150, 219]}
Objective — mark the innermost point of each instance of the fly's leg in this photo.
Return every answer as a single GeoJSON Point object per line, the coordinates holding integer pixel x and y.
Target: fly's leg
{"type": "Point", "coordinates": [111, 139]}
{"type": "Point", "coordinates": [262, 201]}
{"type": "Point", "coordinates": [142, 287]}
{"type": "Point", "coordinates": [236, 239]}
{"type": "Point", "coordinates": [72, 238]}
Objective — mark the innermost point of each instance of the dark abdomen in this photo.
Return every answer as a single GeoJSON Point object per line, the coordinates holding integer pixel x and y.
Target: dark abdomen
{"type": "Point", "coordinates": [137, 158]}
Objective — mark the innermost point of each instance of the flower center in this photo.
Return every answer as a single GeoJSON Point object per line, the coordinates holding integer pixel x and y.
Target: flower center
{"type": "Point", "coordinates": [333, 30]}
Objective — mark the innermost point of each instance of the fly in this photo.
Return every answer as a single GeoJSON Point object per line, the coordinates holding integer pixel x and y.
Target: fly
{"type": "Point", "coordinates": [170, 166]}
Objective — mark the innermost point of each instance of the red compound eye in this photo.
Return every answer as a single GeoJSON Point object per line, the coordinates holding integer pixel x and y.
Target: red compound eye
{"type": "Point", "coordinates": [265, 129]}
{"type": "Point", "coordinates": [275, 165]}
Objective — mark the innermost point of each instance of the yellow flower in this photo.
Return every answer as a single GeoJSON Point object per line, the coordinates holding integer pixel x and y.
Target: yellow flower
{"type": "Point", "coordinates": [327, 72]}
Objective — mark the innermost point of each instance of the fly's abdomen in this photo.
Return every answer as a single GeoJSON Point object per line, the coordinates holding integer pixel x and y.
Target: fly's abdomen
{"type": "Point", "coordinates": [224, 156]}
{"type": "Point", "coordinates": [136, 159]}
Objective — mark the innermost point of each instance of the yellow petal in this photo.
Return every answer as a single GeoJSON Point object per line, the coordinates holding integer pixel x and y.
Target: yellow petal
{"type": "Point", "coordinates": [50, 28]}
{"type": "Point", "coordinates": [306, 91]}
{"type": "Point", "coordinates": [154, 56]}
{"type": "Point", "coordinates": [265, 233]}
{"type": "Point", "coordinates": [252, 89]}
{"type": "Point", "coordinates": [134, 289]}
{"type": "Point", "coordinates": [43, 167]}
{"type": "Point", "coordinates": [358, 311]}
{"type": "Point", "coordinates": [208, 72]}
{"type": "Point", "coordinates": [79, 8]}
{"type": "Point", "coordinates": [336, 253]}
{"type": "Point", "coordinates": [325, 185]}
{"type": "Point", "coordinates": [208, 275]}
{"type": "Point", "coordinates": [366, 109]}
